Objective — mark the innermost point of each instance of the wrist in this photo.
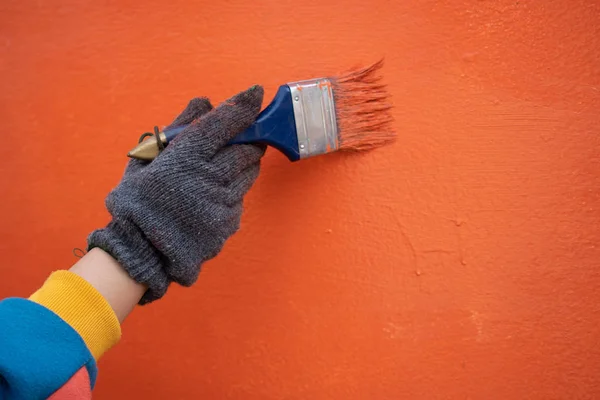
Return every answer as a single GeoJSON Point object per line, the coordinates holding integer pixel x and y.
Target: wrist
{"type": "Point", "coordinates": [105, 274]}
{"type": "Point", "coordinates": [134, 252]}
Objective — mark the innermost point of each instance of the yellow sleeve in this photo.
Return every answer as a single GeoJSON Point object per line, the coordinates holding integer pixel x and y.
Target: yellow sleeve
{"type": "Point", "coordinates": [80, 305]}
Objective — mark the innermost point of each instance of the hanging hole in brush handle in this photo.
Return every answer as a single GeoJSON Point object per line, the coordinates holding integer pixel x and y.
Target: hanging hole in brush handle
{"type": "Point", "coordinates": [275, 126]}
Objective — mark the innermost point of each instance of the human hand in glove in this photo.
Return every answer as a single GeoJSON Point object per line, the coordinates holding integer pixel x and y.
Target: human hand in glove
{"type": "Point", "coordinates": [176, 212]}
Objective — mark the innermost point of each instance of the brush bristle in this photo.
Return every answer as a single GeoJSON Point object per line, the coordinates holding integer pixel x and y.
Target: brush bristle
{"type": "Point", "coordinates": [362, 109]}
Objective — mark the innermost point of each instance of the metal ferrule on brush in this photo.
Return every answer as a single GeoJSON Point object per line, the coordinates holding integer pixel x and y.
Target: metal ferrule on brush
{"type": "Point", "coordinates": [314, 112]}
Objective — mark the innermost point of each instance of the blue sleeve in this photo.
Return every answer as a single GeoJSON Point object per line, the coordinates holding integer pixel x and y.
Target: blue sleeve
{"type": "Point", "coordinates": [39, 352]}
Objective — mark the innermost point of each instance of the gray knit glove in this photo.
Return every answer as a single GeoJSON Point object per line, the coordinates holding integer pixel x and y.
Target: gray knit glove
{"type": "Point", "coordinates": [174, 213]}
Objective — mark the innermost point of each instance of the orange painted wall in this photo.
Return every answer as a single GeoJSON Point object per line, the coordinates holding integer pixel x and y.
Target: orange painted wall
{"type": "Point", "coordinates": [461, 262]}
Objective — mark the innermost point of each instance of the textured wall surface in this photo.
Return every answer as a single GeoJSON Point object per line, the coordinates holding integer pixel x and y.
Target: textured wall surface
{"type": "Point", "coordinates": [461, 262]}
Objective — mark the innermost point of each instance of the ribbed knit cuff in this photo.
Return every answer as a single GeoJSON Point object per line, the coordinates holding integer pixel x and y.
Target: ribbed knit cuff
{"type": "Point", "coordinates": [133, 251]}
{"type": "Point", "coordinates": [80, 305]}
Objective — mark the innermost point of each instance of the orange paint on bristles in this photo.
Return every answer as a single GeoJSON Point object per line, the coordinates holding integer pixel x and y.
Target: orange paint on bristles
{"type": "Point", "coordinates": [362, 109]}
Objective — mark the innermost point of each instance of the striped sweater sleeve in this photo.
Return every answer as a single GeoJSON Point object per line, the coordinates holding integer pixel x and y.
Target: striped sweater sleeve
{"type": "Point", "coordinates": [50, 342]}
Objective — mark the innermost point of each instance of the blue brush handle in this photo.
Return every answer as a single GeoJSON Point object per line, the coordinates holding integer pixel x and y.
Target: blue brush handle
{"type": "Point", "coordinates": [274, 126]}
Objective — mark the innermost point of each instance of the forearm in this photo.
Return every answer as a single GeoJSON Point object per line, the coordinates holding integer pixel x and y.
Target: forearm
{"type": "Point", "coordinates": [68, 323]}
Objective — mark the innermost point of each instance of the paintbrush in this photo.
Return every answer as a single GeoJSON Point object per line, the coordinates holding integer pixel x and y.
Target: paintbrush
{"type": "Point", "coordinates": [312, 117]}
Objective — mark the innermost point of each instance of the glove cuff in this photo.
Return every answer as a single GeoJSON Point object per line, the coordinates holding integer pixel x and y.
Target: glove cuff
{"type": "Point", "coordinates": [127, 244]}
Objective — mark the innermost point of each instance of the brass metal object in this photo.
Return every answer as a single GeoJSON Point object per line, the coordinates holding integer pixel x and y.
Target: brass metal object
{"type": "Point", "coordinates": [148, 149]}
